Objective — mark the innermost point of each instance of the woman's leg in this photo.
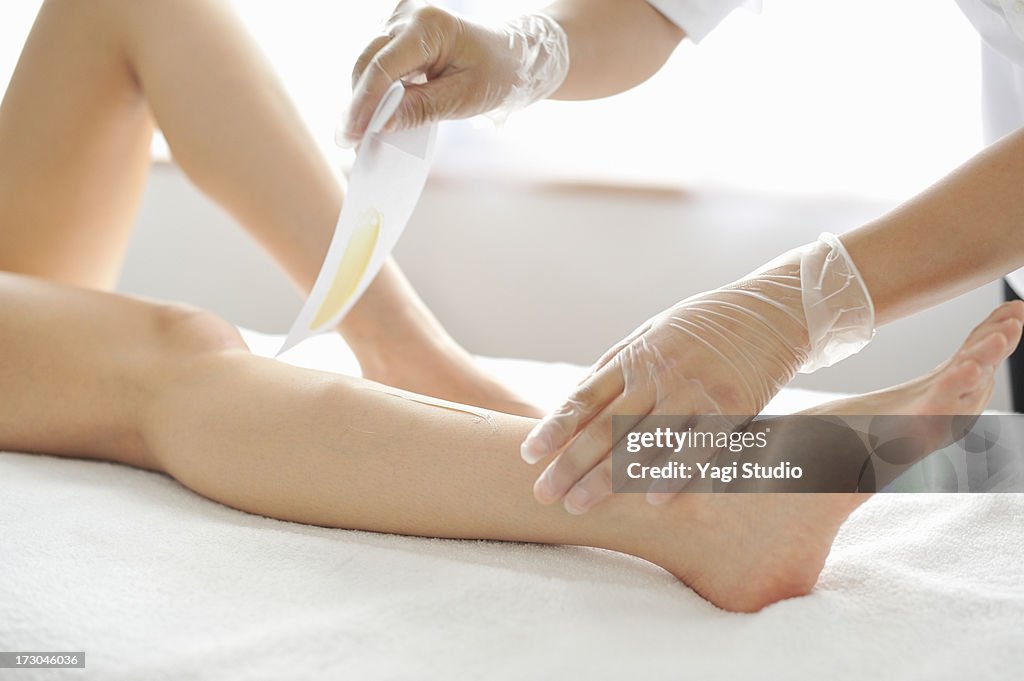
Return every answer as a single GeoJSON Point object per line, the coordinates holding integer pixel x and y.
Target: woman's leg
{"type": "Point", "coordinates": [74, 151]}
{"type": "Point", "coordinates": [75, 129]}
{"type": "Point", "coordinates": [80, 367]}
{"type": "Point", "coordinates": [174, 390]}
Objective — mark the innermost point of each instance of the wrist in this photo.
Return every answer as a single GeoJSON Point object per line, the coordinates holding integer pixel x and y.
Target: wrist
{"type": "Point", "coordinates": [839, 312]}
{"type": "Point", "coordinates": [773, 299]}
{"type": "Point", "coordinates": [542, 62]}
{"type": "Point", "coordinates": [819, 286]}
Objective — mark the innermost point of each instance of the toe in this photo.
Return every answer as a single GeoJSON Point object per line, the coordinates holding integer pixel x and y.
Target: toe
{"type": "Point", "coordinates": [989, 351]}
{"type": "Point", "coordinates": [1012, 328]}
{"type": "Point", "coordinates": [998, 344]}
{"type": "Point", "coordinates": [1010, 310]}
{"type": "Point", "coordinates": [961, 379]}
{"type": "Point", "coordinates": [1005, 312]}
{"type": "Point", "coordinates": [1013, 309]}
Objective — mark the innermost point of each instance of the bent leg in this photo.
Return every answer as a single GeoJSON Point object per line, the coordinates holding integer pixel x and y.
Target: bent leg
{"type": "Point", "coordinates": [75, 127]}
{"type": "Point", "coordinates": [75, 136]}
{"type": "Point", "coordinates": [77, 119]}
{"type": "Point", "coordinates": [235, 132]}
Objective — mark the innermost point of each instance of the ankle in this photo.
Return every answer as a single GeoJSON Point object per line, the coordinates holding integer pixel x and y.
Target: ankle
{"type": "Point", "coordinates": [403, 355]}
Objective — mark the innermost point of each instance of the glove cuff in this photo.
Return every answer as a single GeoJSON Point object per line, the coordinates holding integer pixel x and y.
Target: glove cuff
{"type": "Point", "coordinates": [543, 65]}
{"type": "Point", "coordinates": [837, 306]}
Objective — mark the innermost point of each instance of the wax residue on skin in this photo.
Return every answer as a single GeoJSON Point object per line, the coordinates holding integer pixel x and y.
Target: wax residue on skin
{"type": "Point", "coordinates": [350, 270]}
{"type": "Point", "coordinates": [450, 406]}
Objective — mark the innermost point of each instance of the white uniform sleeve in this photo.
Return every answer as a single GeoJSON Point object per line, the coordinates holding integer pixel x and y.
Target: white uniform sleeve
{"type": "Point", "coordinates": [700, 17]}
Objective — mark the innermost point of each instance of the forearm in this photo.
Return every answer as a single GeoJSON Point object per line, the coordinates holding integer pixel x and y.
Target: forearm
{"type": "Point", "coordinates": [614, 45]}
{"type": "Point", "coordinates": [966, 230]}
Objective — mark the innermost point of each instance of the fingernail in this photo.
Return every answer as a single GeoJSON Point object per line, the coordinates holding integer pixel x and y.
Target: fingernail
{"type": "Point", "coordinates": [543, 489]}
{"type": "Point", "coordinates": [576, 502]}
{"type": "Point", "coordinates": [343, 139]}
{"type": "Point", "coordinates": [531, 450]}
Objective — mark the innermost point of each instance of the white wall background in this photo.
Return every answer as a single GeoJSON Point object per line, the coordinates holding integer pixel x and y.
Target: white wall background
{"type": "Point", "coordinates": [810, 116]}
{"type": "Point", "coordinates": [545, 272]}
{"type": "Point", "coordinates": [870, 98]}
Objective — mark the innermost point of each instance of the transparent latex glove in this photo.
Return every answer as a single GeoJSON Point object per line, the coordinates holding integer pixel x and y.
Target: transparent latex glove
{"type": "Point", "coordinates": [723, 352]}
{"type": "Point", "coordinates": [454, 68]}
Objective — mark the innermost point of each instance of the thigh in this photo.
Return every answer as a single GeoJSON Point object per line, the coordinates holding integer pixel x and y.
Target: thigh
{"type": "Point", "coordinates": [75, 134]}
{"type": "Point", "coordinates": [79, 368]}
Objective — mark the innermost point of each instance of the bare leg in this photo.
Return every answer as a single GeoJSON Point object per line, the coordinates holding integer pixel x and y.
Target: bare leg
{"type": "Point", "coordinates": [75, 128]}
{"type": "Point", "coordinates": [174, 390]}
{"type": "Point", "coordinates": [74, 151]}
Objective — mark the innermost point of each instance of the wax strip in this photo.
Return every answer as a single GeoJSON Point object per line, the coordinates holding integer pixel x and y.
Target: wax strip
{"type": "Point", "coordinates": [351, 269]}
{"type": "Point", "coordinates": [445, 404]}
{"type": "Point", "coordinates": [383, 189]}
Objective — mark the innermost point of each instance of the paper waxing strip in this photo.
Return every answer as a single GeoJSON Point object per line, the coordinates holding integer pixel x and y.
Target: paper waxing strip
{"type": "Point", "coordinates": [385, 184]}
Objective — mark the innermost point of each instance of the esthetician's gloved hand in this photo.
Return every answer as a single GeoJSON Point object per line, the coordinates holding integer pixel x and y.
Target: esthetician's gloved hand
{"type": "Point", "coordinates": [469, 68]}
{"type": "Point", "coordinates": [725, 352]}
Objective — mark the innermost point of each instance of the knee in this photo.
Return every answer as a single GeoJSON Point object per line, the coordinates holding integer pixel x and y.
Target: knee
{"type": "Point", "coordinates": [184, 331]}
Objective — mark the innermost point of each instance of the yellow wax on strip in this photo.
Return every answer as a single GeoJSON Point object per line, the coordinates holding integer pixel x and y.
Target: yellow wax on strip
{"type": "Point", "coordinates": [350, 270]}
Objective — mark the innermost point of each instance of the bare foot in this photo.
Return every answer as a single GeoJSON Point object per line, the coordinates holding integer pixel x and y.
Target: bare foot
{"type": "Point", "coordinates": [960, 385]}
{"type": "Point", "coordinates": [745, 551]}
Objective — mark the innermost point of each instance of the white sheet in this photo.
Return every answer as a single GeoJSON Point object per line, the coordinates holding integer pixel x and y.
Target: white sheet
{"type": "Point", "coordinates": [155, 582]}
